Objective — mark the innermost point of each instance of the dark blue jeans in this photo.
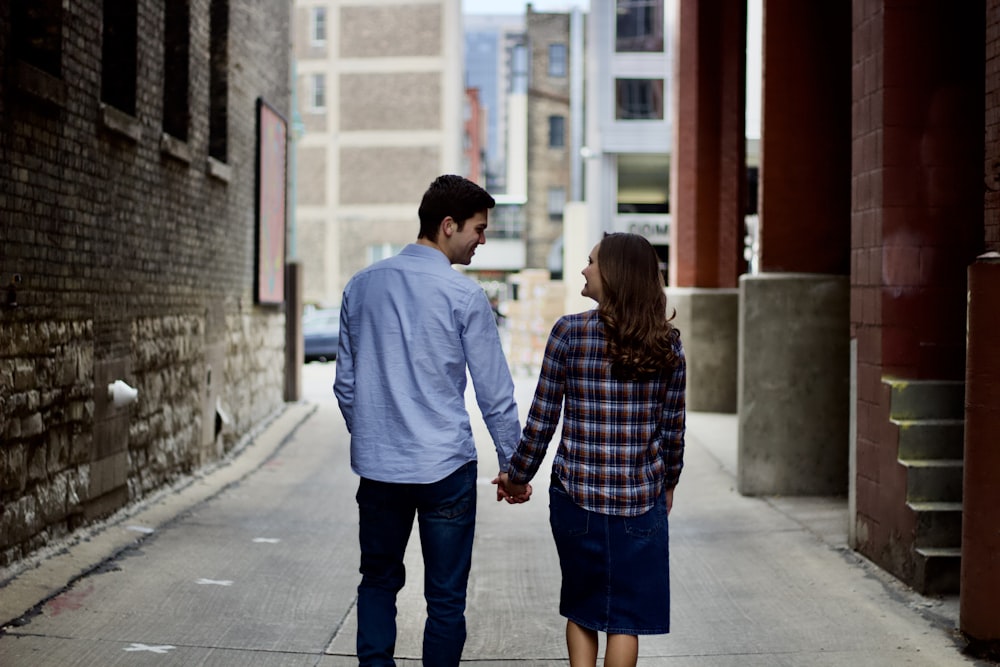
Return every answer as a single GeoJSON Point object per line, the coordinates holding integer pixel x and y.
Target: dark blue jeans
{"type": "Point", "coordinates": [446, 515]}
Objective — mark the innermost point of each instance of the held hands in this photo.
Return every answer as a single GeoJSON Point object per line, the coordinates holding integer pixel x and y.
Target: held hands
{"type": "Point", "coordinates": [512, 493]}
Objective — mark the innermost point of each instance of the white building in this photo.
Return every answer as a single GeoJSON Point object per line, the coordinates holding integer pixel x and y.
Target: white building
{"type": "Point", "coordinates": [380, 90]}
{"type": "Point", "coordinates": [628, 126]}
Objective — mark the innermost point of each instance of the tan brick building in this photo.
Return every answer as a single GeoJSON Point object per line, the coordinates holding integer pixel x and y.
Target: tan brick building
{"type": "Point", "coordinates": [380, 96]}
{"type": "Point", "coordinates": [549, 134]}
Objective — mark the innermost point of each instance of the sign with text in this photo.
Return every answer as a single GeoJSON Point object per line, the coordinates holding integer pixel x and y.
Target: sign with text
{"type": "Point", "coordinates": [656, 228]}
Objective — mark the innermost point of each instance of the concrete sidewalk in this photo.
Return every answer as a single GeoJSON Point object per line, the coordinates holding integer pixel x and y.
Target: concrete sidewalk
{"type": "Point", "coordinates": [255, 563]}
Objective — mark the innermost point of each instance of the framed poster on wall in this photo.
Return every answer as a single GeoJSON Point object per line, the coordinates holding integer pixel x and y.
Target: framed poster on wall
{"type": "Point", "coordinates": [272, 169]}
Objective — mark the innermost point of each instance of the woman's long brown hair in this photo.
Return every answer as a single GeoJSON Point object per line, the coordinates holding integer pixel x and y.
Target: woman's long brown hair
{"type": "Point", "coordinates": [634, 308]}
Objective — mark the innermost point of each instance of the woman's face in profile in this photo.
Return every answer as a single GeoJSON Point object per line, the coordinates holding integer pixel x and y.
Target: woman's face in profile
{"type": "Point", "coordinates": [592, 285]}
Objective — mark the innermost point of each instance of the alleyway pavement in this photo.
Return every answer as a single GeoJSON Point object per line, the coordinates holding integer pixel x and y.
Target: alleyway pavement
{"type": "Point", "coordinates": [255, 562]}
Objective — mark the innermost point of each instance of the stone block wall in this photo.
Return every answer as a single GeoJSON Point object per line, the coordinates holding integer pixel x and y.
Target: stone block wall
{"type": "Point", "coordinates": [130, 254]}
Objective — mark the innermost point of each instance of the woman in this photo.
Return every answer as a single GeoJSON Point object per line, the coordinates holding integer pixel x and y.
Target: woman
{"type": "Point", "coordinates": [620, 372]}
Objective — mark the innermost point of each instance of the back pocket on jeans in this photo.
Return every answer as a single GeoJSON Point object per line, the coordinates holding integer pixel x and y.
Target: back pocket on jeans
{"type": "Point", "coordinates": [565, 516]}
{"type": "Point", "coordinates": [644, 525]}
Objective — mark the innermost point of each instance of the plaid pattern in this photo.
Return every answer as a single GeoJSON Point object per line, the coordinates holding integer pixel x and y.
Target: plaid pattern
{"type": "Point", "coordinates": [622, 442]}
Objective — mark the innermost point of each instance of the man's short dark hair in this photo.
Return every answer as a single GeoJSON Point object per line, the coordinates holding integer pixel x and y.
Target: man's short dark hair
{"type": "Point", "coordinates": [451, 195]}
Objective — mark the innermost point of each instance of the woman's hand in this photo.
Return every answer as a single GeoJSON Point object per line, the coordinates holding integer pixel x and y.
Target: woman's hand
{"type": "Point", "coordinates": [512, 493]}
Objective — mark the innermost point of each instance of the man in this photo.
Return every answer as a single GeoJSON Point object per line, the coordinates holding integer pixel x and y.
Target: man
{"type": "Point", "coordinates": [410, 327]}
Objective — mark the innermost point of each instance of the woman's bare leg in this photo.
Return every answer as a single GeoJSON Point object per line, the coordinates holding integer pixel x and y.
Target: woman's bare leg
{"type": "Point", "coordinates": [582, 644]}
{"type": "Point", "coordinates": [622, 651]}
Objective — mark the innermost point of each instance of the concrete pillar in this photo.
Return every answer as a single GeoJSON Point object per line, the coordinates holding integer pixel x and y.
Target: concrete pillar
{"type": "Point", "coordinates": [793, 384]}
{"type": "Point", "coordinates": [794, 376]}
{"type": "Point", "coordinates": [708, 322]}
{"type": "Point", "coordinates": [980, 576]}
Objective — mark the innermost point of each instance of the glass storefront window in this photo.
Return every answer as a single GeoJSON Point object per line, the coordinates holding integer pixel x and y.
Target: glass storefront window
{"type": "Point", "coordinates": [644, 183]}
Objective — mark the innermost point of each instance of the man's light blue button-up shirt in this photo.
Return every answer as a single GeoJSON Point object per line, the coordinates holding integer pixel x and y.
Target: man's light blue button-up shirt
{"type": "Point", "coordinates": [410, 325]}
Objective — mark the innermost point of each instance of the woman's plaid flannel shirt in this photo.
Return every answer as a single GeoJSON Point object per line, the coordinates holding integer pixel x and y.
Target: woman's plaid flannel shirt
{"type": "Point", "coordinates": [622, 442]}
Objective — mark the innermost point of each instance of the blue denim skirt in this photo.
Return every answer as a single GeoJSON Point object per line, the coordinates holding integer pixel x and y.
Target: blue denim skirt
{"type": "Point", "coordinates": [615, 569]}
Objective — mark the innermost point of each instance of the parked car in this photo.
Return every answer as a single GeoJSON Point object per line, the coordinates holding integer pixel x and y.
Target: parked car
{"type": "Point", "coordinates": [321, 331]}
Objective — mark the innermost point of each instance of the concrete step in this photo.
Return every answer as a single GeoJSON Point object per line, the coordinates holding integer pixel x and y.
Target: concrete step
{"type": "Point", "coordinates": [939, 524]}
{"type": "Point", "coordinates": [927, 399]}
{"type": "Point", "coordinates": [938, 570]}
{"type": "Point", "coordinates": [931, 438]}
{"type": "Point", "coordinates": [933, 480]}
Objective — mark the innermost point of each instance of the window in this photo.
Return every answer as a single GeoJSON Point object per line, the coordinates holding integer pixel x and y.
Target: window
{"type": "Point", "coordinates": [518, 69]}
{"type": "Point", "coordinates": [383, 251]}
{"type": "Point", "coordinates": [556, 203]}
{"type": "Point", "coordinates": [317, 92]}
{"type": "Point", "coordinates": [176, 48]}
{"type": "Point", "coordinates": [118, 54]}
{"type": "Point", "coordinates": [218, 80]}
{"type": "Point", "coordinates": [643, 183]}
{"type": "Point", "coordinates": [557, 131]}
{"type": "Point", "coordinates": [317, 26]}
{"type": "Point", "coordinates": [557, 60]}
{"type": "Point", "coordinates": [37, 34]}
{"type": "Point", "coordinates": [506, 222]}
{"type": "Point", "coordinates": [639, 99]}
{"type": "Point", "coordinates": [639, 26]}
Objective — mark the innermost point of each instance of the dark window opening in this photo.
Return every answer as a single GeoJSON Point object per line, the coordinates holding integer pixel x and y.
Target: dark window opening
{"type": "Point", "coordinates": [639, 26]}
{"type": "Point", "coordinates": [556, 203]}
{"type": "Point", "coordinates": [37, 34]}
{"type": "Point", "coordinates": [557, 131]}
{"type": "Point", "coordinates": [639, 99]}
{"type": "Point", "coordinates": [176, 57]}
{"type": "Point", "coordinates": [557, 60]}
{"type": "Point", "coordinates": [753, 182]}
{"type": "Point", "coordinates": [118, 54]}
{"type": "Point", "coordinates": [319, 25]}
{"type": "Point", "coordinates": [218, 139]}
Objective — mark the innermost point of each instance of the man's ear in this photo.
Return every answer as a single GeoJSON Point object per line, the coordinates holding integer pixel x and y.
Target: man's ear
{"type": "Point", "coordinates": [448, 226]}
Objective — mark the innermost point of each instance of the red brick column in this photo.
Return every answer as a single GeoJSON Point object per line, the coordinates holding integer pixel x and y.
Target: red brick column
{"type": "Point", "coordinates": [980, 579]}
{"type": "Point", "coordinates": [805, 137]}
{"type": "Point", "coordinates": [708, 174]}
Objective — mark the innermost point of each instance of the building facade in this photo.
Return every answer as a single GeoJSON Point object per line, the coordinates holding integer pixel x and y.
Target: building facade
{"type": "Point", "coordinates": [381, 97]}
{"type": "Point", "coordinates": [495, 53]}
{"type": "Point", "coordinates": [628, 120]}
{"type": "Point", "coordinates": [130, 248]}
{"type": "Point", "coordinates": [550, 149]}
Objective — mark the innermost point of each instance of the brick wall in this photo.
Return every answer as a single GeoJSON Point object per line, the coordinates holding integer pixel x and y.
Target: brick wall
{"type": "Point", "coordinates": [915, 227]}
{"type": "Point", "coordinates": [992, 156]}
{"type": "Point", "coordinates": [136, 256]}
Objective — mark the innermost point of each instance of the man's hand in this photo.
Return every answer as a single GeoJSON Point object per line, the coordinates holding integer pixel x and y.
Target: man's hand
{"type": "Point", "coordinates": [511, 492]}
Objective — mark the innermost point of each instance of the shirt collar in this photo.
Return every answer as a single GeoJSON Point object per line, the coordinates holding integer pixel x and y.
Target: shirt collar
{"type": "Point", "coordinates": [417, 250]}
